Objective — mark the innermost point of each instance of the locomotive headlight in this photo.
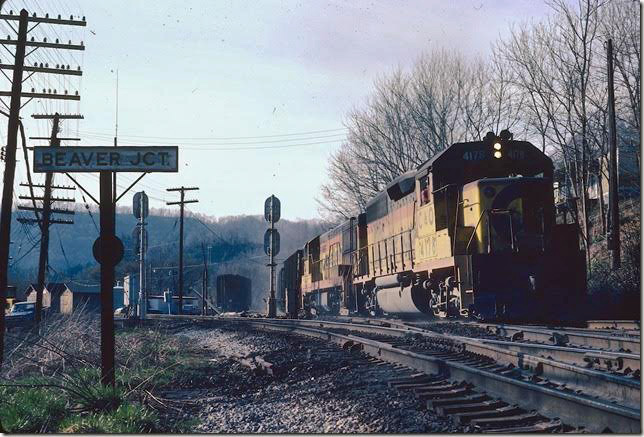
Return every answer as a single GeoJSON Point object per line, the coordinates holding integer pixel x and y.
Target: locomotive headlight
{"type": "Point", "coordinates": [497, 146]}
{"type": "Point", "coordinates": [498, 154]}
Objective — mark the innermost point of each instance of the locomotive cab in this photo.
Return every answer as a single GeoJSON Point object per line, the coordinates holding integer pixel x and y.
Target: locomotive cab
{"type": "Point", "coordinates": [486, 232]}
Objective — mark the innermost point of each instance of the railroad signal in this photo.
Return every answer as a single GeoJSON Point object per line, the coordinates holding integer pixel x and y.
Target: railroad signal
{"type": "Point", "coordinates": [136, 236]}
{"type": "Point", "coordinates": [272, 209]}
{"type": "Point", "coordinates": [271, 242]}
{"type": "Point", "coordinates": [140, 205]}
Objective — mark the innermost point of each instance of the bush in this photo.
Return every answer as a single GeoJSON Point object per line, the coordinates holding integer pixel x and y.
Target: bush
{"type": "Point", "coordinates": [86, 392]}
{"type": "Point", "coordinates": [616, 293]}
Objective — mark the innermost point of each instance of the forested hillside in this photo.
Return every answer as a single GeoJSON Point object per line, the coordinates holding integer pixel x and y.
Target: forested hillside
{"type": "Point", "coordinates": [231, 245]}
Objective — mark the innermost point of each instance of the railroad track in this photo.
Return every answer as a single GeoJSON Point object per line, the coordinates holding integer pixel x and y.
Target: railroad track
{"type": "Point", "coordinates": [608, 341]}
{"type": "Point", "coordinates": [478, 382]}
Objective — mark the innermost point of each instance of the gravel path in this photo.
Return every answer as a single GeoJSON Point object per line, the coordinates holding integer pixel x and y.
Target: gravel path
{"type": "Point", "coordinates": [319, 388]}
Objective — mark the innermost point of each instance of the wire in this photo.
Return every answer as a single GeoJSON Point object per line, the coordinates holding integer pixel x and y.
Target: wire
{"type": "Point", "coordinates": [27, 253]}
{"type": "Point", "coordinates": [60, 241]}
{"type": "Point", "coordinates": [222, 138]}
{"type": "Point", "coordinates": [217, 149]}
{"type": "Point", "coordinates": [208, 227]}
{"type": "Point", "coordinates": [210, 143]}
{"type": "Point", "coordinates": [90, 213]}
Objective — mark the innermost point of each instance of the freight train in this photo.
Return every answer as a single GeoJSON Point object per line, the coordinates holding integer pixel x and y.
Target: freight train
{"type": "Point", "coordinates": [233, 293]}
{"type": "Point", "coordinates": [469, 233]}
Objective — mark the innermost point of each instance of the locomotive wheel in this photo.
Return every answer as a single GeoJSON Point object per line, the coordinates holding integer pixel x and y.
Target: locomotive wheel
{"type": "Point", "coordinates": [371, 305]}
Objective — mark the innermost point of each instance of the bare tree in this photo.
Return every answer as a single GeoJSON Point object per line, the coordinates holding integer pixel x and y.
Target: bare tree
{"type": "Point", "coordinates": [410, 118]}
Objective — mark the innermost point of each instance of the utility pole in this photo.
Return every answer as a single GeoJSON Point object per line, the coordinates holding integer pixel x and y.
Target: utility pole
{"type": "Point", "coordinates": [10, 169]}
{"type": "Point", "coordinates": [116, 128]}
{"type": "Point", "coordinates": [46, 222]}
{"type": "Point", "coordinates": [15, 105]}
{"type": "Point", "coordinates": [140, 209]}
{"type": "Point", "coordinates": [613, 192]}
{"type": "Point", "coordinates": [181, 204]}
{"type": "Point", "coordinates": [204, 287]}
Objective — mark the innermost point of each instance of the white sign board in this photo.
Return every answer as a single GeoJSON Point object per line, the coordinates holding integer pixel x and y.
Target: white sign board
{"type": "Point", "coordinates": [79, 159]}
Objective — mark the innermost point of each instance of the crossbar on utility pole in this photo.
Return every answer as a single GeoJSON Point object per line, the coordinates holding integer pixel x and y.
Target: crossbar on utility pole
{"type": "Point", "coordinates": [182, 190]}
{"type": "Point", "coordinates": [10, 169]}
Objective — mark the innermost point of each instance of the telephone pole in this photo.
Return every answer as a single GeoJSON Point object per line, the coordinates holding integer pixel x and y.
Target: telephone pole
{"type": "Point", "coordinates": [15, 105]}
{"type": "Point", "coordinates": [181, 204]}
{"type": "Point", "coordinates": [46, 221]}
{"type": "Point", "coordinates": [613, 189]}
{"type": "Point", "coordinates": [140, 209]}
{"type": "Point", "coordinates": [204, 287]}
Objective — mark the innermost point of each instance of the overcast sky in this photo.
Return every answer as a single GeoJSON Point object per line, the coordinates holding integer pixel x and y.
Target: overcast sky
{"type": "Point", "coordinates": [254, 93]}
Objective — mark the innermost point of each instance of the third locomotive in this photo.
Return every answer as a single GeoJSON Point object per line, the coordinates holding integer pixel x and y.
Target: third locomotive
{"type": "Point", "coordinates": [471, 232]}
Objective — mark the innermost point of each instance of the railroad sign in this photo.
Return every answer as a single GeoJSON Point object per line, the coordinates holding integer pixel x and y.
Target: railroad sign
{"type": "Point", "coordinates": [271, 234]}
{"type": "Point", "coordinates": [78, 159]}
{"type": "Point", "coordinates": [139, 198]}
{"type": "Point", "coordinates": [272, 209]}
{"type": "Point", "coordinates": [136, 236]}
{"type": "Point", "coordinates": [115, 251]}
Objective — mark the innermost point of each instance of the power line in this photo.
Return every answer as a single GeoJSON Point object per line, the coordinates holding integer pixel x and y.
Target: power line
{"type": "Point", "coordinates": [224, 138]}
{"type": "Point", "coordinates": [218, 149]}
{"type": "Point", "coordinates": [209, 142]}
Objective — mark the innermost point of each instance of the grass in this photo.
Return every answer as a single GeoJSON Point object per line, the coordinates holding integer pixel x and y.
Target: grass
{"type": "Point", "coordinates": [61, 394]}
{"type": "Point", "coordinates": [30, 410]}
{"type": "Point", "coordinates": [127, 419]}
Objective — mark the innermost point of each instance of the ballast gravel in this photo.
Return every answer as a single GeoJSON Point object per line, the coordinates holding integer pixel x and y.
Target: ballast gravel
{"type": "Point", "coordinates": [317, 388]}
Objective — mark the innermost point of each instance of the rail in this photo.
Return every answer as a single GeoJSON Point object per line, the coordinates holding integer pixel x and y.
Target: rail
{"type": "Point", "coordinates": [595, 407]}
{"type": "Point", "coordinates": [573, 408]}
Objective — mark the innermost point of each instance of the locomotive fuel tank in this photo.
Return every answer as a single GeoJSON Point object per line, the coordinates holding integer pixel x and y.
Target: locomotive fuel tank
{"type": "Point", "coordinates": [396, 294]}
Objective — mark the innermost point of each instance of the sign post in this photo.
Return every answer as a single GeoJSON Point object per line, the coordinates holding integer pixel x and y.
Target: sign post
{"type": "Point", "coordinates": [108, 261]}
{"type": "Point", "coordinates": [272, 211]}
{"type": "Point", "coordinates": [108, 249]}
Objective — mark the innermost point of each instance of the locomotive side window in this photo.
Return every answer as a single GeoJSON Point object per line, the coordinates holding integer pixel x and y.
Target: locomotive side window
{"type": "Point", "coordinates": [445, 199]}
{"type": "Point", "coordinates": [425, 191]}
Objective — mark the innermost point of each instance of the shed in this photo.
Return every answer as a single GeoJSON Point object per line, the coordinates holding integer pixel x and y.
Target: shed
{"type": "Point", "coordinates": [56, 296]}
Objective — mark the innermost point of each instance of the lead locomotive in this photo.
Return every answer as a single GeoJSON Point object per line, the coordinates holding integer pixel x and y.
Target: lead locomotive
{"type": "Point", "coordinates": [471, 232]}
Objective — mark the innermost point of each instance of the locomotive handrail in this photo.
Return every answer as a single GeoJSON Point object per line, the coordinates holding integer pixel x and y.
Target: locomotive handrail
{"type": "Point", "coordinates": [467, 248]}
{"type": "Point", "coordinates": [509, 213]}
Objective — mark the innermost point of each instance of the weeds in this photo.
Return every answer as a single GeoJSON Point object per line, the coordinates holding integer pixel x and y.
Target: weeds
{"type": "Point", "coordinates": [30, 410]}
{"type": "Point", "coordinates": [128, 419]}
{"type": "Point", "coordinates": [50, 381]}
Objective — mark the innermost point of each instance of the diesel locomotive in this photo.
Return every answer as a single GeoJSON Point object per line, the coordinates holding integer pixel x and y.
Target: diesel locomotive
{"type": "Point", "coordinates": [471, 233]}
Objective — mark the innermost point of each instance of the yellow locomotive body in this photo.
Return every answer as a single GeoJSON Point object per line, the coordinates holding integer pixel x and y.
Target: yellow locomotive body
{"type": "Point", "coordinates": [470, 232]}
